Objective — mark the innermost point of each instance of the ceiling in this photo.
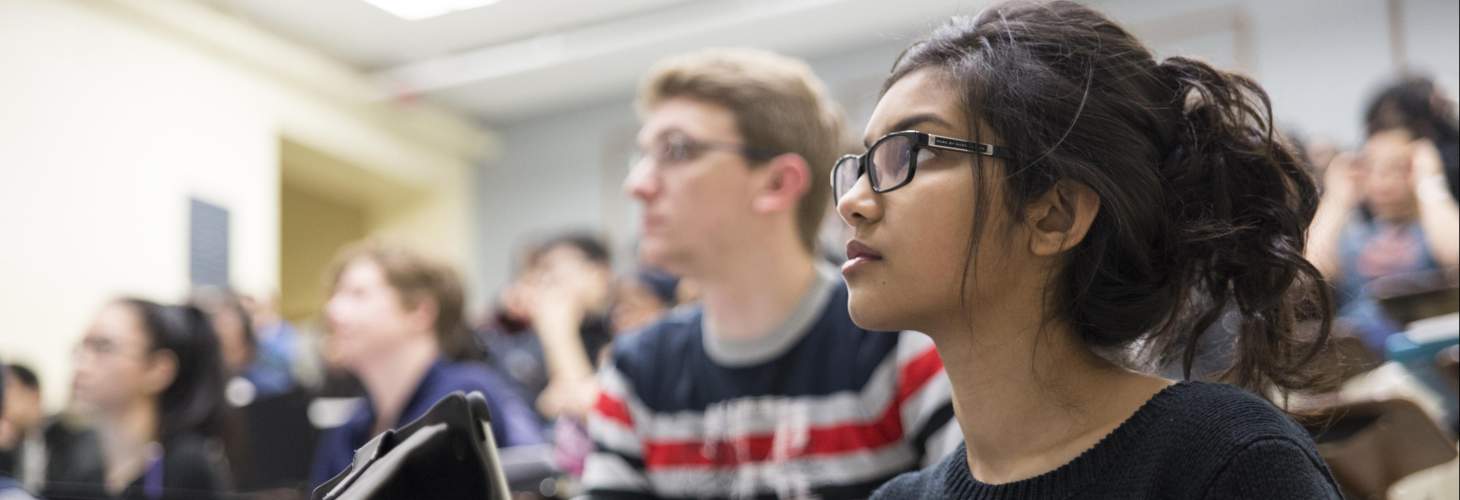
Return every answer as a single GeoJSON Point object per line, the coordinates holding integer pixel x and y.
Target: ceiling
{"type": "Point", "coordinates": [516, 59]}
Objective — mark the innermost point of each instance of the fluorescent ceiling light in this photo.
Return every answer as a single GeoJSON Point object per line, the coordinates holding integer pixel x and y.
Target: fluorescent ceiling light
{"type": "Point", "coordinates": [415, 10]}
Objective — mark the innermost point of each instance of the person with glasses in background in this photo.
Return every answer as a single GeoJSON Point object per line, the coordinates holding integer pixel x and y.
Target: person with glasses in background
{"type": "Point", "coordinates": [765, 388]}
{"type": "Point", "coordinates": [149, 377]}
{"type": "Point", "coordinates": [1063, 214]}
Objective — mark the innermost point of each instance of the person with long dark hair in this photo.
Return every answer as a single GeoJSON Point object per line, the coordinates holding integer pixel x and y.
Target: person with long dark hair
{"type": "Point", "coordinates": [1388, 209]}
{"type": "Point", "coordinates": [150, 378]}
{"type": "Point", "coordinates": [1061, 212]}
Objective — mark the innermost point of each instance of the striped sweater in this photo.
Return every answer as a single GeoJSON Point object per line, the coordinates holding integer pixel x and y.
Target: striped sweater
{"type": "Point", "coordinates": [819, 408]}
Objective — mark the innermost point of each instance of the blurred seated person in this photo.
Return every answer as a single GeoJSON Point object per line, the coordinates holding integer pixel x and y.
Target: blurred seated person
{"type": "Point", "coordinates": [1416, 105]}
{"type": "Point", "coordinates": [639, 300]}
{"type": "Point", "coordinates": [72, 463]}
{"type": "Point", "coordinates": [264, 372]}
{"type": "Point", "coordinates": [274, 334]}
{"type": "Point", "coordinates": [1385, 211]}
{"type": "Point", "coordinates": [149, 378]}
{"type": "Point", "coordinates": [43, 454]}
{"type": "Point", "coordinates": [266, 403]}
{"type": "Point", "coordinates": [642, 298]}
{"type": "Point", "coordinates": [10, 489]}
{"type": "Point", "coordinates": [554, 321]}
{"type": "Point", "coordinates": [22, 446]}
{"type": "Point", "coordinates": [394, 320]}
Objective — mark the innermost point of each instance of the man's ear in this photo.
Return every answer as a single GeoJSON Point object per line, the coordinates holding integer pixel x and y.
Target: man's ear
{"type": "Point", "coordinates": [783, 180]}
{"type": "Point", "coordinates": [1060, 218]}
{"type": "Point", "coordinates": [423, 314]}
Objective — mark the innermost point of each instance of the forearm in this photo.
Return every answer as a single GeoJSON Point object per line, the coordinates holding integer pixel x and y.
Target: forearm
{"type": "Point", "coordinates": [563, 350]}
{"type": "Point", "coordinates": [1439, 218]}
{"type": "Point", "coordinates": [1323, 236]}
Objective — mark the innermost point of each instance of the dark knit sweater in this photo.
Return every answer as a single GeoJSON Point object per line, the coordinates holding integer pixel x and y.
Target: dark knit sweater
{"type": "Point", "coordinates": [1192, 440]}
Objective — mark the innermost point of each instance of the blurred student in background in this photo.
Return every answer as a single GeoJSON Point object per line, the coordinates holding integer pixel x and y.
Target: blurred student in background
{"type": "Point", "coordinates": [1416, 105]}
{"type": "Point", "coordinates": [767, 388]}
{"type": "Point", "coordinates": [561, 301]}
{"type": "Point", "coordinates": [555, 322]}
{"type": "Point", "coordinates": [265, 371]}
{"type": "Point", "coordinates": [275, 335]}
{"type": "Point", "coordinates": [395, 321]}
{"type": "Point", "coordinates": [10, 489]}
{"type": "Point", "coordinates": [22, 444]}
{"type": "Point", "coordinates": [150, 379]}
{"type": "Point", "coordinates": [1389, 209]}
{"type": "Point", "coordinates": [641, 298]}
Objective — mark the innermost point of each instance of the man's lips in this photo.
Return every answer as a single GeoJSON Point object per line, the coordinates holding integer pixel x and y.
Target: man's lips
{"type": "Point", "coordinates": [648, 221]}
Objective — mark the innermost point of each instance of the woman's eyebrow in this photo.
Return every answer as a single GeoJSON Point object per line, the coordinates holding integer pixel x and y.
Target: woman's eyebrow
{"type": "Point", "coordinates": [910, 123]}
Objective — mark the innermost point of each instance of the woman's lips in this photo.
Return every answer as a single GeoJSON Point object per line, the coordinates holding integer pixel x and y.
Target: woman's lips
{"type": "Point", "coordinates": [859, 250]}
{"type": "Point", "coordinates": [859, 255]}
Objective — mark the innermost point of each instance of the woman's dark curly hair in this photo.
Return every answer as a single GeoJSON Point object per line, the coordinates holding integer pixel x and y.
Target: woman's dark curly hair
{"type": "Point", "coordinates": [1203, 208]}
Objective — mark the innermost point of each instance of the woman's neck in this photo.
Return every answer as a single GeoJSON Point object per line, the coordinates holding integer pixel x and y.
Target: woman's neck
{"type": "Point", "coordinates": [128, 439]}
{"type": "Point", "coordinates": [391, 381]}
{"type": "Point", "coordinates": [1029, 397]}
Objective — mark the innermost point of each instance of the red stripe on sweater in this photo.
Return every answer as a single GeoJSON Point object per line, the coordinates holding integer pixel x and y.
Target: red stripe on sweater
{"type": "Point", "coordinates": [755, 448]}
{"type": "Point", "coordinates": [820, 441]}
{"type": "Point", "coordinates": [613, 409]}
{"type": "Point", "coordinates": [917, 372]}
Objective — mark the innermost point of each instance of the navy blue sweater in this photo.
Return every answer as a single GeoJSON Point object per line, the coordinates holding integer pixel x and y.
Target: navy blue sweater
{"type": "Point", "coordinates": [513, 422]}
{"type": "Point", "coordinates": [1192, 440]}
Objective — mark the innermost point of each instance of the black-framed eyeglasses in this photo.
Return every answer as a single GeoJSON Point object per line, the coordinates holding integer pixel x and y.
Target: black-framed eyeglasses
{"type": "Point", "coordinates": [678, 149]}
{"type": "Point", "coordinates": [893, 160]}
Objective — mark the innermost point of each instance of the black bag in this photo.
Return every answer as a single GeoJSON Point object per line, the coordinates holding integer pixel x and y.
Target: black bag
{"type": "Point", "coordinates": [447, 454]}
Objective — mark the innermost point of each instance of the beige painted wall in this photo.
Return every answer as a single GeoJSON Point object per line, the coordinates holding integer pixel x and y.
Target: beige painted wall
{"type": "Point", "coordinates": [113, 113]}
{"type": "Point", "coordinates": [310, 236]}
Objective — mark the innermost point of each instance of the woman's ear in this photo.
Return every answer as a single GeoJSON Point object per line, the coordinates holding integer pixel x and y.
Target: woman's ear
{"type": "Point", "coordinates": [1060, 218]}
{"type": "Point", "coordinates": [161, 371]}
{"type": "Point", "coordinates": [784, 180]}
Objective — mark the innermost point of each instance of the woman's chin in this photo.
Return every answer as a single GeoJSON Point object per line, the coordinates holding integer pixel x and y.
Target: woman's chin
{"type": "Point", "coordinates": [870, 316]}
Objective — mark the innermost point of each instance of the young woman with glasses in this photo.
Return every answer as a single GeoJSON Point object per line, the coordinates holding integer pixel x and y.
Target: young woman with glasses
{"type": "Point", "coordinates": [1060, 212]}
{"type": "Point", "coordinates": [150, 378]}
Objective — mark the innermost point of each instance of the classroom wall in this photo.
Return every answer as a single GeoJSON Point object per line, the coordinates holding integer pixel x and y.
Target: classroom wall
{"type": "Point", "coordinates": [562, 169]}
{"type": "Point", "coordinates": [113, 114]}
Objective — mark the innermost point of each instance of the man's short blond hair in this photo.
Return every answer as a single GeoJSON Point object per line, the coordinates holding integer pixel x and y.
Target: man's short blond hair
{"type": "Point", "coordinates": [779, 106]}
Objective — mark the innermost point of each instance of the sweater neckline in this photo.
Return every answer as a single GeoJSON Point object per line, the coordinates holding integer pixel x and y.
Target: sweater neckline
{"type": "Point", "coordinates": [737, 353]}
{"type": "Point", "coordinates": [1065, 480]}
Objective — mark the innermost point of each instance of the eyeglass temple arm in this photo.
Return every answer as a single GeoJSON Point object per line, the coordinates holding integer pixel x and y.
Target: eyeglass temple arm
{"type": "Point", "coordinates": [951, 144]}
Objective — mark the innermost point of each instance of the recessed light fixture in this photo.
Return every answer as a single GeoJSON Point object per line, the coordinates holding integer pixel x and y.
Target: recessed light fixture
{"type": "Point", "coordinates": [415, 10]}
